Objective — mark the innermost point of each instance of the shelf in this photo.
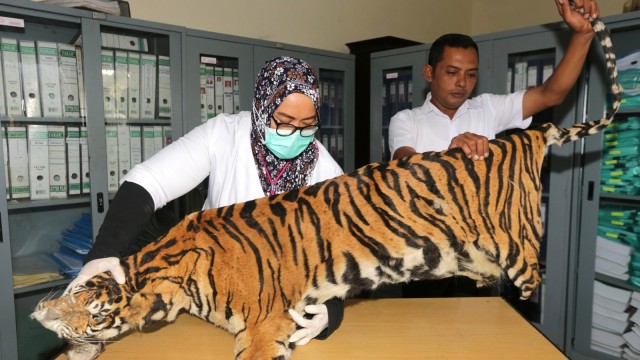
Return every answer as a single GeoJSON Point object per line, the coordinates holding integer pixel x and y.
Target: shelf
{"type": "Point", "coordinates": [616, 282]}
{"type": "Point", "coordinates": [14, 205]}
{"type": "Point", "coordinates": [605, 197]}
{"type": "Point", "coordinates": [51, 284]}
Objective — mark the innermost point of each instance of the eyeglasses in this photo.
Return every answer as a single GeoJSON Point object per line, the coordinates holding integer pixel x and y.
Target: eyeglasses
{"type": "Point", "coordinates": [286, 129]}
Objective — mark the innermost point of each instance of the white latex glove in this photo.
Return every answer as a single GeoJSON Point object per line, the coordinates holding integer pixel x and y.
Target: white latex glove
{"type": "Point", "coordinates": [95, 267]}
{"type": "Point", "coordinates": [310, 327]}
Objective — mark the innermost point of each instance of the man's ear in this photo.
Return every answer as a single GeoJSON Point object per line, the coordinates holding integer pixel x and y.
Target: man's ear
{"type": "Point", "coordinates": [427, 72]}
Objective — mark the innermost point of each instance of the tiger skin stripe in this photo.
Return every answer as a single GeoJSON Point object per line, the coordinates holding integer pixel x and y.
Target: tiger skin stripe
{"type": "Point", "coordinates": [427, 216]}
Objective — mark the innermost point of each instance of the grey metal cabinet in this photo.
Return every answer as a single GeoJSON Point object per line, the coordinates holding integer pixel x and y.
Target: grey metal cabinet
{"type": "Point", "coordinates": [625, 31]}
{"type": "Point", "coordinates": [33, 221]}
{"type": "Point", "coordinates": [534, 47]}
{"type": "Point", "coordinates": [169, 100]}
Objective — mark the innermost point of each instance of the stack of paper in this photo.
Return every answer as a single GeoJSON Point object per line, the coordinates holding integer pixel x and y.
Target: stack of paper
{"type": "Point", "coordinates": [74, 245]}
{"type": "Point", "coordinates": [629, 79]}
{"type": "Point", "coordinates": [632, 337]}
{"type": "Point", "coordinates": [611, 312]}
{"type": "Point", "coordinates": [613, 258]}
{"type": "Point", "coordinates": [34, 269]}
{"type": "Point", "coordinates": [618, 228]}
{"type": "Point", "coordinates": [621, 158]}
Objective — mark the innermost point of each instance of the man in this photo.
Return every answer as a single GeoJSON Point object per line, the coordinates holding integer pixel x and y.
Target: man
{"type": "Point", "coordinates": [449, 119]}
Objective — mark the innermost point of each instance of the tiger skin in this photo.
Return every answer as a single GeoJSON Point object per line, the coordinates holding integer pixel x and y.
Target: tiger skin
{"type": "Point", "coordinates": [240, 267]}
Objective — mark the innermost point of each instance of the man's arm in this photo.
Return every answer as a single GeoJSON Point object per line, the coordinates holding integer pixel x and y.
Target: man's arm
{"type": "Point", "coordinates": [403, 151]}
{"type": "Point", "coordinates": [558, 85]}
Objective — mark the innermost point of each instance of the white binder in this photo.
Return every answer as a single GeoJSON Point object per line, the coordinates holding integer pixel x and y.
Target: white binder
{"type": "Point", "coordinates": [73, 160]}
{"type": "Point", "coordinates": [3, 108]}
{"type": "Point", "coordinates": [135, 144]}
{"type": "Point", "coordinates": [108, 83]}
{"type": "Point", "coordinates": [148, 144]}
{"type": "Point", "coordinates": [121, 84]}
{"type": "Point", "coordinates": [124, 151]}
{"type": "Point", "coordinates": [11, 72]}
{"type": "Point", "coordinates": [167, 135]}
{"type": "Point", "coordinates": [134, 85]}
{"type": "Point", "coordinates": [69, 81]}
{"type": "Point", "coordinates": [30, 85]}
{"type": "Point", "coordinates": [203, 93]}
{"type": "Point", "coordinates": [148, 86]}
{"type": "Point", "coordinates": [158, 138]}
{"type": "Point", "coordinates": [38, 143]}
{"type": "Point", "coordinates": [236, 91]}
{"type": "Point", "coordinates": [218, 80]}
{"type": "Point", "coordinates": [81, 98]}
{"type": "Point", "coordinates": [84, 160]}
{"type": "Point", "coordinates": [112, 158]}
{"type": "Point", "coordinates": [227, 101]}
{"type": "Point", "coordinates": [164, 86]}
{"type": "Point", "coordinates": [210, 91]}
{"type": "Point", "coordinates": [5, 158]}
{"type": "Point", "coordinates": [57, 162]}
{"type": "Point", "coordinates": [49, 75]}
{"type": "Point", "coordinates": [18, 162]}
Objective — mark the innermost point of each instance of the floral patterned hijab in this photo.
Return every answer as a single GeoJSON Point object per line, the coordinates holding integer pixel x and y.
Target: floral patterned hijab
{"type": "Point", "coordinates": [277, 79]}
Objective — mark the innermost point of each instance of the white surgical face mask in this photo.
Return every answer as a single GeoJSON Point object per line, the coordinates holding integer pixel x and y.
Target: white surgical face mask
{"type": "Point", "coordinates": [286, 147]}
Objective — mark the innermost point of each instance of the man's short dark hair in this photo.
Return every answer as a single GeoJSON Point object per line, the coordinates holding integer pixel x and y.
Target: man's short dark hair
{"type": "Point", "coordinates": [436, 52]}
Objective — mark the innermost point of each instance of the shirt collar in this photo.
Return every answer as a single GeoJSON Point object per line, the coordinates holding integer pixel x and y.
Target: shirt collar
{"type": "Point", "coordinates": [468, 104]}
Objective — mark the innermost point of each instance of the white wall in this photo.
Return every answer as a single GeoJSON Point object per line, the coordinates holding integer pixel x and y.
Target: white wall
{"type": "Point", "coordinates": [330, 24]}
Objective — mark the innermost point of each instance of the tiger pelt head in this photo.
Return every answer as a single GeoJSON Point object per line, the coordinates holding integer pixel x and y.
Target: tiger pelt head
{"type": "Point", "coordinates": [91, 313]}
{"type": "Point", "coordinates": [241, 267]}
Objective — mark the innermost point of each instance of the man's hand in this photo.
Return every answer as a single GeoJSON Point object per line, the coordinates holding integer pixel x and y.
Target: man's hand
{"type": "Point", "coordinates": [95, 267]}
{"type": "Point", "coordinates": [578, 16]}
{"type": "Point", "coordinates": [310, 328]}
{"type": "Point", "coordinates": [476, 147]}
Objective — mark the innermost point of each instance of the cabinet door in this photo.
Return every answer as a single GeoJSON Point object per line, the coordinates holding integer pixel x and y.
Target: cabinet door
{"type": "Point", "coordinates": [610, 211]}
{"type": "Point", "coordinates": [521, 60]}
{"type": "Point", "coordinates": [139, 101]}
{"type": "Point", "coordinates": [219, 78]}
{"type": "Point", "coordinates": [397, 83]}
{"type": "Point", "coordinates": [336, 79]}
{"type": "Point", "coordinates": [40, 118]}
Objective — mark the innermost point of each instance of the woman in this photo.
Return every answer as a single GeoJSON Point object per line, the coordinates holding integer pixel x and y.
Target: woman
{"type": "Point", "coordinates": [246, 156]}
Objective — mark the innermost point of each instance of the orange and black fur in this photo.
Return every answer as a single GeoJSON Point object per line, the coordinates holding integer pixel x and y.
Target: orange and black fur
{"type": "Point", "coordinates": [428, 216]}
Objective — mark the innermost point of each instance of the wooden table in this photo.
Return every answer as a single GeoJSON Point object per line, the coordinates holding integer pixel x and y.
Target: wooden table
{"type": "Point", "coordinates": [434, 328]}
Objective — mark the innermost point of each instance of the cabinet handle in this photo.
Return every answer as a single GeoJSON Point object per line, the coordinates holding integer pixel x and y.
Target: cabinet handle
{"type": "Point", "coordinates": [590, 191]}
{"type": "Point", "coordinates": [100, 200]}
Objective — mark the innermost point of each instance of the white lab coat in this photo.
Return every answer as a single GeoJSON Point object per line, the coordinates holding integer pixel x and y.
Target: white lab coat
{"type": "Point", "coordinates": [220, 149]}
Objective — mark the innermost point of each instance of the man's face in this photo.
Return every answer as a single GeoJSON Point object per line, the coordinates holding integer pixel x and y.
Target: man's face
{"type": "Point", "coordinates": [453, 78]}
